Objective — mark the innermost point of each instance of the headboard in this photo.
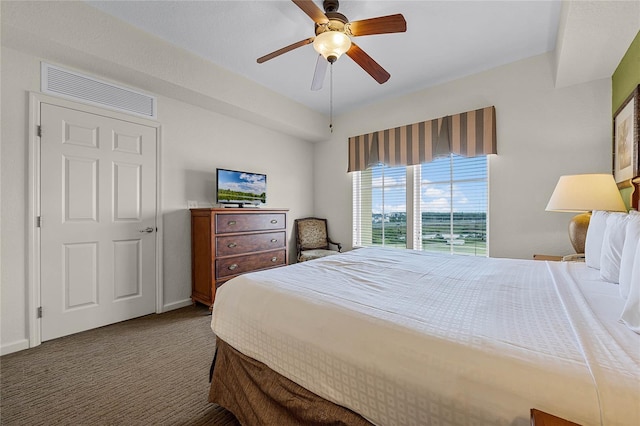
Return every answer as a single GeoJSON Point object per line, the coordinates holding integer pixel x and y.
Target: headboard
{"type": "Point", "coordinates": [630, 191]}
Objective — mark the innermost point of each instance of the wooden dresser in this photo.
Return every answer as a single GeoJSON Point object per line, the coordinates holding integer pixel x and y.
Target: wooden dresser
{"type": "Point", "coordinates": [228, 242]}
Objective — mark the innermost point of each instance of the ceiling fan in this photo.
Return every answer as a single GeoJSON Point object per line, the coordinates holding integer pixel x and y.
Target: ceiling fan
{"type": "Point", "coordinates": [333, 38]}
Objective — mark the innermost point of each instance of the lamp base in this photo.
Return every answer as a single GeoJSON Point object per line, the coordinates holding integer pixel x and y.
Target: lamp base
{"type": "Point", "coordinates": [578, 231]}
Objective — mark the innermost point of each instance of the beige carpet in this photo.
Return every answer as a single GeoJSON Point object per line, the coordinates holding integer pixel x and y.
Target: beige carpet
{"type": "Point", "coordinates": [152, 370]}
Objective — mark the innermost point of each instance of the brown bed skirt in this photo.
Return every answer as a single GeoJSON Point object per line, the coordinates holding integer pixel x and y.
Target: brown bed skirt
{"type": "Point", "coordinates": [257, 395]}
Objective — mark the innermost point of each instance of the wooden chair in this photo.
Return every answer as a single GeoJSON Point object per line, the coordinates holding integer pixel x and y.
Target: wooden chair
{"type": "Point", "coordinates": [312, 239]}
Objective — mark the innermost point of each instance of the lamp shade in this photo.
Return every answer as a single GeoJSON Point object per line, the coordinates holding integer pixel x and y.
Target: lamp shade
{"type": "Point", "coordinates": [331, 44]}
{"type": "Point", "coordinates": [582, 193]}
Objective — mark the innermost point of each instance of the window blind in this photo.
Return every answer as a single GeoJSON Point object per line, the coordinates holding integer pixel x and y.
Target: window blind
{"type": "Point", "coordinates": [438, 206]}
{"type": "Point", "coordinates": [381, 216]}
{"type": "Point", "coordinates": [453, 205]}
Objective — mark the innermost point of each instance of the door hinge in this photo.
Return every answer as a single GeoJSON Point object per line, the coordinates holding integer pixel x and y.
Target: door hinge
{"type": "Point", "coordinates": [39, 313]}
{"type": "Point", "coordinates": [39, 131]}
{"type": "Point", "coordinates": [39, 222]}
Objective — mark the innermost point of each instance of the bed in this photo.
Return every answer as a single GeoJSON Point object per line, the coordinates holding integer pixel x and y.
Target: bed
{"type": "Point", "coordinates": [388, 337]}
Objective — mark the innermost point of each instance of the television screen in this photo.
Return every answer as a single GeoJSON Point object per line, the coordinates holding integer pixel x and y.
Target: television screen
{"type": "Point", "coordinates": [238, 187]}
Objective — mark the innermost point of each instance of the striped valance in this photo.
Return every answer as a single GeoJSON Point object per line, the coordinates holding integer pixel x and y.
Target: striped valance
{"type": "Point", "coordinates": [469, 134]}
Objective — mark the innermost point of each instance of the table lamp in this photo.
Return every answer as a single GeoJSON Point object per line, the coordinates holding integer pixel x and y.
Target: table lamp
{"type": "Point", "coordinates": [584, 193]}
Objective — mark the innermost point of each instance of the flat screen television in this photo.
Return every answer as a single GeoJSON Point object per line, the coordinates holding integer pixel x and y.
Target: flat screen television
{"type": "Point", "coordinates": [236, 187]}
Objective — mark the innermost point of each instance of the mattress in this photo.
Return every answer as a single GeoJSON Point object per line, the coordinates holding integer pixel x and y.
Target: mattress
{"type": "Point", "coordinates": [406, 337]}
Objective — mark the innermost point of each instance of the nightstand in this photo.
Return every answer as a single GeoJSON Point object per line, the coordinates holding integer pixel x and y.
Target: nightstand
{"type": "Point", "coordinates": [547, 257]}
{"type": "Point", "coordinates": [553, 258]}
{"type": "Point", "coordinates": [577, 257]}
{"type": "Point", "coordinates": [540, 418]}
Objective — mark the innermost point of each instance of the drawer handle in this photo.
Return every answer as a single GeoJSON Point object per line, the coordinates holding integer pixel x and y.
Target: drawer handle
{"type": "Point", "coordinates": [273, 240]}
{"type": "Point", "coordinates": [274, 259]}
{"type": "Point", "coordinates": [232, 222]}
{"type": "Point", "coordinates": [274, 221]}
{"type": "Point", "coordinates": [232, 267]}
{"type": "Point", "coordinates": [231, 245]}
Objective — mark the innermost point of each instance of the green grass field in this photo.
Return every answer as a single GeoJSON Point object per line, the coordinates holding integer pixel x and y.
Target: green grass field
{"type": "Point", "coordinates": [228, 195]}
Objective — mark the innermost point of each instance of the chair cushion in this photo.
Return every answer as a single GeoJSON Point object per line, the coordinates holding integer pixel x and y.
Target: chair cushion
{"type": "Point", "coordinates": [312, 234]}
{"type": "Point", "coordinates": [315, 254]}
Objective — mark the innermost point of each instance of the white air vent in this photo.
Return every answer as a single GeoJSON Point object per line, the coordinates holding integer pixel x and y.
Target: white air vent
{"type": "Point", "coordinates": [68, 84]}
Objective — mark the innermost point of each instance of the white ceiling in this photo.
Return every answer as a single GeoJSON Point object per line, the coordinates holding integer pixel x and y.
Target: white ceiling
{"type": "Point", "coordinates": [445, 40]}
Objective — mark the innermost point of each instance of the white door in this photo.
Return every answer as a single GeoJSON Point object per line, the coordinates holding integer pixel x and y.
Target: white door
{"type": "Point", "coordinates": [98, 227]}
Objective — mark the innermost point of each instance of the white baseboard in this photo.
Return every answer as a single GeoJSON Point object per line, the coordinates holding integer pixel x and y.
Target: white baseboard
{"type": "Point", "coordinates": [12, 347]}
{"type": "Point", "coordinates": [176, 305]}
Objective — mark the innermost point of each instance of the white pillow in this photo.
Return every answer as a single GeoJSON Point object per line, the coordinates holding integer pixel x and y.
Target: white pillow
{"type": "Point", "coordinates": [631, 312]}
{"type": "Point", "coordinates": [595, 236]}
{"type": "Point", "coordinates": [612, 245]}
{"type": "Point", "coordinates": [631, 240]}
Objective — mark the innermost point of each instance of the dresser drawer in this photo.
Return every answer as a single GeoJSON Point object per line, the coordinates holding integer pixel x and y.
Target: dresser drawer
{"type": "Point", "coordinates": [229, 242]}
{"type": "Point", "coordinates": [251, 262]}
{"type": "Point", "coordinates": [227, 223]}
{"type": "Point", "coordinates": [239, 244]}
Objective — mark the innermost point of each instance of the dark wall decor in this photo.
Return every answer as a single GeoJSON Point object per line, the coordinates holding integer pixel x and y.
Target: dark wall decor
{"type": "Point", "coordinates": [626, 126]}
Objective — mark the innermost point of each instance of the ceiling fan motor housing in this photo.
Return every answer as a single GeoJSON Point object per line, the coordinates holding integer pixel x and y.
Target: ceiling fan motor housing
{"type": "Point", "coordinates": [337, 22]}
{"type": "Point", "coordinates": [330, 5]}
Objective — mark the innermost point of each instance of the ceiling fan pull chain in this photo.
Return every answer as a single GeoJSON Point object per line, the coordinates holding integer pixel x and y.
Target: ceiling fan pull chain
{"type": "Point", "coordinates": [331, 98]}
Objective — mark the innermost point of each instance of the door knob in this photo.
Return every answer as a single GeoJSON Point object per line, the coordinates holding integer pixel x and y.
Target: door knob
{"type": "Point", "coordinates": [147, 230]}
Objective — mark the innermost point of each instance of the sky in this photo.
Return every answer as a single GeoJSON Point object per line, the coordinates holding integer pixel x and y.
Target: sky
{"type": "Point", "coordinates": [242, 182]}
{"type": "Point", "coordinates": [435, 192]}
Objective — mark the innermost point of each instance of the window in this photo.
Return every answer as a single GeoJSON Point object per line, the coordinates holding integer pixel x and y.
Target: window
{"type": "Point", "coordinates": [438, 206]}
{"type": "Point", "coordinates": [381, 219]}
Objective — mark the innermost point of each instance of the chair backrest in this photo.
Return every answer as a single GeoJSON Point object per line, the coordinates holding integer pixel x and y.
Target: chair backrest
{"type": "Point", "coordinates": [311, 233]}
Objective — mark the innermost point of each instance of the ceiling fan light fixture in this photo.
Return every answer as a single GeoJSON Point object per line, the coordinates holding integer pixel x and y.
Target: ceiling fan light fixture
{"type": "Point", "coordinates": [332, 44]}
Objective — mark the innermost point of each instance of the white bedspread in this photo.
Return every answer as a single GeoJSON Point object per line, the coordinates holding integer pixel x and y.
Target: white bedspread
{"type": "Point", "coordinates": [410, 338]}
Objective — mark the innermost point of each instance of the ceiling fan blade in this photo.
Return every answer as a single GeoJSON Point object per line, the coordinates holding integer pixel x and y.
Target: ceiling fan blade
{"type": "Point", "coordinates": [320, 73]}
{"type": "Point", "coordinates": [312, 10]}
{"type": "Point", "coordinates": [368, 64]}
{"type": "Point", "coordinates": [285, 49]}
{"type": "Point", "coordinates": [381, 25]}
